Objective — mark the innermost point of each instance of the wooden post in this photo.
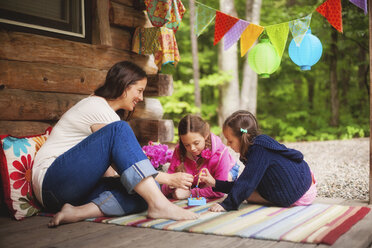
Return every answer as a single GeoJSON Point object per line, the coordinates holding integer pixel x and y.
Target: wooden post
{"type": "Point", "coordinates": [370, 100]}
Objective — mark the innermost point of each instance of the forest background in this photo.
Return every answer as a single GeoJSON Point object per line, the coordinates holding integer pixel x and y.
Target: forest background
{"type": "Point", "coordinates": [331, 101]}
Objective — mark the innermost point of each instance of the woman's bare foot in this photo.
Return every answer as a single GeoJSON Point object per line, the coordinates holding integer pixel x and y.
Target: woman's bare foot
{"type": "Point", "coordinates": [168, 210]}
{"type": "Point", "coordinates": [71, 214]}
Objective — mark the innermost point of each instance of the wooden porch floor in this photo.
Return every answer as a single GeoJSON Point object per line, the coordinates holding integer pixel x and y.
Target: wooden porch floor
{"type": "Point", "coordinates": [33, 232]}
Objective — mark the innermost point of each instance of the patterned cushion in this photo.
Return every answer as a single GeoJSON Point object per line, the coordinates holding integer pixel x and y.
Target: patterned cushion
{"type": "Point", "coordinates": [16, 162]}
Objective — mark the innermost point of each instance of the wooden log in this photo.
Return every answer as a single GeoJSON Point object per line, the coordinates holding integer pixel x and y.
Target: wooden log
{"type": "Point", "coordinates": [36, 48]}
{"type": "Point", "coordinates": [126, 2]}
{"type": "Point", "coordinates": [149, 108]}
{"type": "Point", "coordinates": [49, 77]}
{"type": "Point", "coordinates": [101, 34]}
{"type": "Point", "coordinates": [65, 79]}
{"type": "Point", "coordinates": [31, 105]}
{"type": "Point", "coordinates": [121, 38]}
{"type": "Point", "coordinates": [35, 106]}
{"type": "Point", "coordinates": [159, 85]}
{"type": "Point", "coordinates": [153, 130]}
{"type": "Point", "coordinates": [125, 16]}
{"type": "Point", "coordinates": [24, 128]}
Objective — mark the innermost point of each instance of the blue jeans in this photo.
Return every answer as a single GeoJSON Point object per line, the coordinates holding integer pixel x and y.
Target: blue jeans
{"type": "Point", "coordinates": [75, 177]}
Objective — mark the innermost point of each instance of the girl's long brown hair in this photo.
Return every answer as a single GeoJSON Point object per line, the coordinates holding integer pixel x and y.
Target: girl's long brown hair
{"type": "Point", "coordinates": [243, 119]}
{"type": "Point", "coordinates": [194, 124]}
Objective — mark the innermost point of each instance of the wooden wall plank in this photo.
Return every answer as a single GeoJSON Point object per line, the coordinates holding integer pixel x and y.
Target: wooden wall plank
{"type": "Point", "coordinates": [126, 2]}
{"type": "Point", "coordinates": [101, 24]}
{"type": "Point", "coordinates": [36, 48]}
{"type": "Point", "coordinates": [39, 106]}
{"type": "Point", "coordinates": [48, 77]}
{"type": "Point", "coordinates": [121, 38]}
{"type": "Point", "coordinates": [24, 128]}
{"type": "Point", "coordinates": [154, 130]}
{"type": "Point", "coordinates": [125, 16]}
{"type": "Point", "coordinates": [159, 85]}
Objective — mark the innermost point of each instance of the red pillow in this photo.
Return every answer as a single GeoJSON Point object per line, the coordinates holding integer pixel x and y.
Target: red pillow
{"type": "Point", "coordinates": [16, 161]}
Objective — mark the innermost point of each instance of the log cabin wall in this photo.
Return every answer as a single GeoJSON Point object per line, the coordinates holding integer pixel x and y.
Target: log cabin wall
{"type": "Point", "coordinates": [41, 77]}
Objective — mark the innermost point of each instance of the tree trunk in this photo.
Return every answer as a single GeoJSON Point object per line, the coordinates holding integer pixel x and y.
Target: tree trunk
{"type": "Point", "coordinates": [195, 59]}
{"type": "Point", "coordinates": [248, 94]}
{"type": "Point", "coordinates": [333, 80]}
{"type": "Point", "coordinates": [228, 62]}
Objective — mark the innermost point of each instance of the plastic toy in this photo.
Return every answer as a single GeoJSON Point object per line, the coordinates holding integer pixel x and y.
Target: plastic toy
{"type": "Point", "coordinates": [197, 201]}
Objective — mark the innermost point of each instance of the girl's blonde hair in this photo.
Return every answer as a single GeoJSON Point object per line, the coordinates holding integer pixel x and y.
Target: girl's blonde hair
{"type": "Point", "coordinates": [194, 124]}
{"type": "Point", "coordinates": [244, 126]}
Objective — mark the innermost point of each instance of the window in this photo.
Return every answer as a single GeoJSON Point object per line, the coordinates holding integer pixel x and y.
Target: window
{"type": "Point", "coordinates": [66, 19]}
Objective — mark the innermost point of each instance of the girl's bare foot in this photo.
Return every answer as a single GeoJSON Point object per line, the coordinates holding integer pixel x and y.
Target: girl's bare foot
{"type": "Point", "coordinates": [168, 210]}
{"type": "Point", "coordinates": [71, 214]}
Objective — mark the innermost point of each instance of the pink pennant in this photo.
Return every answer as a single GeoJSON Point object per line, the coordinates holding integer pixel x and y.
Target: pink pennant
{"type": "Point", "coordinates": [234, 33]}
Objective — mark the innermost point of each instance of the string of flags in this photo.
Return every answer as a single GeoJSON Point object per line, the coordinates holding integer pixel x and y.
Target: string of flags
{"type": "Point", "coordinates": [231, 29]}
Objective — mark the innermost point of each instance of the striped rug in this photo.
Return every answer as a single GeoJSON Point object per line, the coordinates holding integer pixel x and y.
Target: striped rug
{"type": "Point", "coordinates": [317, 223]}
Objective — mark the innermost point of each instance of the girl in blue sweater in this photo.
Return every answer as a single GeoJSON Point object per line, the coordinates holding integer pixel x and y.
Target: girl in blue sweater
{"type": "Point", "coordinates": [273, 173]}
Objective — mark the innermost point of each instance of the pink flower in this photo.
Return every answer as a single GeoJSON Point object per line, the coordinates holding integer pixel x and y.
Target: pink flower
{"type": "Point", "coordinates": [206, 154]}
{"type": "Point", "coordinates": [158, 154]}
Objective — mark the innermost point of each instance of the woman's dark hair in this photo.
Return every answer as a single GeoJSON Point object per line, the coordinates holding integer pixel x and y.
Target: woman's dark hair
{"type": "Point", "coordinates": [245, 120]}
{"type": "Point", "coordinates": [194, 124]}
{"type": "Point", "coordinates": [120, 76]}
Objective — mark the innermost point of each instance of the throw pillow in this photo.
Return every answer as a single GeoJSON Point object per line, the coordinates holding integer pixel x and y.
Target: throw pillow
{"type": "Point", "coordinates": [16, 162]}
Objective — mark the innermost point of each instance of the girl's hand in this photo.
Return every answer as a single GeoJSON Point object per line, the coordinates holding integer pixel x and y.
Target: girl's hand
{"type": "Point", "coordinates": [217, 208]}
{"type": "Point", "coordinates": [206, 177]}
{"type": "Point", "coordinates": [181, 194]}
{"type": "Point", "coordinates": [181, 180]}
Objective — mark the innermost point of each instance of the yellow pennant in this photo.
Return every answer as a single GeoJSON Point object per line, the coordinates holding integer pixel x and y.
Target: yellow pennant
{"type": "Point", "coordinates": [248, 37]}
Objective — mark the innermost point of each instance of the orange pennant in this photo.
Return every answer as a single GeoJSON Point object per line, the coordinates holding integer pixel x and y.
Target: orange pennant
{"type": "Point", "coordinates": [331, 10]}
{"type": "Point", "coordinates": [248, 37]}
{"type": "Point", "coordinates": [223, 24]}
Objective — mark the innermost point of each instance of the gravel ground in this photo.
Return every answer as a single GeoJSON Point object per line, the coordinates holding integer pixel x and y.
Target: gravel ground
{"type": "Point", "coordinates": [341, 167]}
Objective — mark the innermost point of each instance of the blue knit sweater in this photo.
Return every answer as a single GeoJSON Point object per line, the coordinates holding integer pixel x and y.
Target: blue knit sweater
{"type": "Point", "coordinates": [279, 174]}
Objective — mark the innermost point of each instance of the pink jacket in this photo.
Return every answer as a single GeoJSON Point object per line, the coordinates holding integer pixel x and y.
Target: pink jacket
{"type": "Point", "coordinates": [218, 165]}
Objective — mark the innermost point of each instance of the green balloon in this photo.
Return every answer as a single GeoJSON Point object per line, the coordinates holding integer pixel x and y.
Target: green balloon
{"type": "Point", "coordinates": [264, 59]}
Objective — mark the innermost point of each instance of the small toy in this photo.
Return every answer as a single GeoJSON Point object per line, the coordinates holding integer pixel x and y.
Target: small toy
{"type": "Point", "coordinates": [197, 201]}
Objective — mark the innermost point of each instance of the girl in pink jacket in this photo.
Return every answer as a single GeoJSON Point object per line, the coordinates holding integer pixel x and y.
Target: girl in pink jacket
{"type": "Point", "coordinates": [198, 148]}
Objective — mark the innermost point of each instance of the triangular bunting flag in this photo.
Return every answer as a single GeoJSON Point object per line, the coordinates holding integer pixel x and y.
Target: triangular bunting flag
{"type": "Point", "coordinates": [299, 28]}
{"type": "Point", "coordinates": [234, 33]}
{"type": "Point", "coordinates": [204, 16]}
{"type": "Point", "coordinates": [223, 24]}
{"type": "Point", "coordinates": [248, 37]}
{"type": "Point", "coordinates": [278, 35]}
{"type": "Point", "coordinates": [331, 10]}
{"type": "Point", "coordinates": [361, 4]}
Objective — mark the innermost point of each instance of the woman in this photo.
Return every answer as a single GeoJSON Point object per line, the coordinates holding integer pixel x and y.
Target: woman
{"type": "Point", "coordinates": [89, 137]}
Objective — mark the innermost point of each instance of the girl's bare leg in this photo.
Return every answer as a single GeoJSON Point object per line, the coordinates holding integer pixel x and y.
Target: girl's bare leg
{"type": "Point", "coordinates": [158, 205]}
{"type": "Point", "coordinates": [255, 197]}
{"type": "Point", "coordinates": [70, 214]}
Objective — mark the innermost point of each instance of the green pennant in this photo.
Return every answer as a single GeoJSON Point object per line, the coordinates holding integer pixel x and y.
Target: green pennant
{"type": "Point", "coordinates": [278, 35]}
{"type": "Point", "coordinates": [204, 16]}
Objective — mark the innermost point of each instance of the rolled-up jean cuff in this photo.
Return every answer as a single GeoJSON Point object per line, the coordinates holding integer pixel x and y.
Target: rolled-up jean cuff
{"type": "Point", "coordinates": [108, 204]}
{"type": "Point", "coordinates": [134, 174]}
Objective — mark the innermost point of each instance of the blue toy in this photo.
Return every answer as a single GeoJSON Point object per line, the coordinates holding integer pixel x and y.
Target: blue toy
{"type": "Point", "coordinates": [197, 201]}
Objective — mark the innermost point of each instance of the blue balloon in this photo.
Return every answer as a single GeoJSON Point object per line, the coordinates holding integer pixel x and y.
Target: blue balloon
{"type": "Point", "coordinates": [308, 53]}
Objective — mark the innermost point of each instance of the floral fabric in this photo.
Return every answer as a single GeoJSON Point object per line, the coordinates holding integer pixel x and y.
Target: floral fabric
{"type": "Point", "coordinates": [165, 12]}
{"type": "Point", "coordinates": [16, 162]}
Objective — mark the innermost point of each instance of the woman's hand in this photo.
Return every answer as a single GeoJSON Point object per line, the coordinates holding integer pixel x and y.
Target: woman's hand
{"type": "Point", "coordinates": [181, 194]}
{"type": "Point", "coordinates": [206, 177]}
{"type": "Point", "coordinates": [181, 180]}
{"type": "Point", "coordinates": [217, 208]}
